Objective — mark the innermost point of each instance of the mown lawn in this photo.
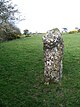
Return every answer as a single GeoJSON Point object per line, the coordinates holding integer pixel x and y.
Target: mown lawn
{"type": "Point", "coordinates": [21, 74]}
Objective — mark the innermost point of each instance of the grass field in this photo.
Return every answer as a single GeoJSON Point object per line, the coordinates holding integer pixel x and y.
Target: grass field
{"type": "Point", "coordinates": [21, 74]}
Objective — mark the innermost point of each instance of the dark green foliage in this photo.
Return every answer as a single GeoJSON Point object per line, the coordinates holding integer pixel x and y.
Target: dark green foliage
{"type": "Point", "coordinates": [21, 74]}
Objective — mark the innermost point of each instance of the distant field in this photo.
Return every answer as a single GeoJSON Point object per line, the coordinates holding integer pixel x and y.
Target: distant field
{"type": "Point", "coordinates": [21, 74]}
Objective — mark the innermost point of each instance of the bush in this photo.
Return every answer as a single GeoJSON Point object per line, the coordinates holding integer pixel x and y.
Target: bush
{"type": "Point", "coordinates": [28, 35]}
{"type": "Point", "coordinates": [78, 30]}
{"type": "Point", "coordinates": [74, 31]}
{"type": "Point", "coordinates": [9, 32]}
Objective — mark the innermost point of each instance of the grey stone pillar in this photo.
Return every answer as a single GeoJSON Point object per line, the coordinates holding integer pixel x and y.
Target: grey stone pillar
{"type": "Point", "coordinates": [53, 53]}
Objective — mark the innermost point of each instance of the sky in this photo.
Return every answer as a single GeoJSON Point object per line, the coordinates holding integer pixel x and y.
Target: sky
{"type": "Point", "coordinates": [43, 15]}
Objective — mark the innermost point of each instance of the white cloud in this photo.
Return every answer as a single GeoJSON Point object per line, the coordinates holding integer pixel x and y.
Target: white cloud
{"type": "Point", "coordinates": [42, 15]}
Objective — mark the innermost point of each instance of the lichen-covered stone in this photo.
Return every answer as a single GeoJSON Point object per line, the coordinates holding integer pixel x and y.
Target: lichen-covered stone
{"type": "Point", "coordinates": [53, 53]}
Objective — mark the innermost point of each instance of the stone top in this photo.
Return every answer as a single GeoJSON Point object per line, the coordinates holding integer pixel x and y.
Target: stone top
{"type": "Point", "coordinates": [52, 38]}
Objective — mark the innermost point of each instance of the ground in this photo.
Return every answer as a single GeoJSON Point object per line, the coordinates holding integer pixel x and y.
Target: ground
{"type": "Point", "coordinates": [22, 69]}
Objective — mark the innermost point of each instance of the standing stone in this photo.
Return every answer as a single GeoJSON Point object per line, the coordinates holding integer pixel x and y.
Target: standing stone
{"type": "Point", "coordinates": [53, 53]}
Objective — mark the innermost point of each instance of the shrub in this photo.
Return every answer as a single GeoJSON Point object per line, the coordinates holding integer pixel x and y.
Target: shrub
{"type": "Point", "coordinates": [9, 32]}
{"type": "Point", "coordinates": [74, 31]}
{"type": "Point", "coordinates": [28, 35]}
{"type": "Point", "coordinates": [78, 30]}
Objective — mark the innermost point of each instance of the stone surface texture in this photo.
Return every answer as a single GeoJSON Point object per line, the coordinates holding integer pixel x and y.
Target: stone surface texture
{"type": "Point", "coordinates": [53, 47]}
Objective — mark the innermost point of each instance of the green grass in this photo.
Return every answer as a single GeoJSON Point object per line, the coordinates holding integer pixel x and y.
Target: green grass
{"type": "Point", "coordinates": [22, 69]}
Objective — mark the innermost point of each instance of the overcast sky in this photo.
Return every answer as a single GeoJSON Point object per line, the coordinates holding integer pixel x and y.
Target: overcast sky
{"type": "Point", "coordinates": [43, 15]}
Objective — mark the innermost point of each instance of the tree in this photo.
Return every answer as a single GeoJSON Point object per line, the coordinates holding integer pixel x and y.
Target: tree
{"type": "Point", "coordinates": [8, 12]}
{"type": "Point", "coordinates": [26, 32]}
{"type": "Point", "coordinates": [65, 29]}
{"type": "Point", "coordinates": [76, 28]}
